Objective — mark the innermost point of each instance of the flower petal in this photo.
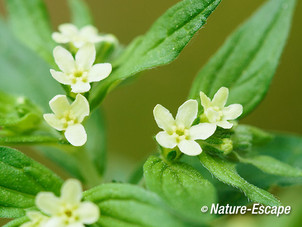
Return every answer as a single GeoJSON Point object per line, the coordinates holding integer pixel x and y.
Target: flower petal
{"type": "Point", "coordinates": [85, 57]}
{"type": "Point", "coordinates": [64, 59]}
{"type": "Point", "coordinates": [221, 97]}
{"type": "Point", "coordinates": [163, 118]}
{"type": "Point", "coordinates": [68, 29]}
{"type": "Point", "coordinates": [59, 104]}
{"type": "Point", "coordinates": [89, 213]}
{"type": "Point", "coordinates": [54, 221]}
{"type": "Point", "coordinates": [202, 131]}
{"type": "Point", "coordinates": [212, 115]}
{"type": "Point", "coordinates": [76, 135]}
{"type": "Point", "coordinates": [80, 87]}
{"type": "Point", "coordinates": [53, 121]}
{"type": "Point", "coordinates": [205, 100]}
{"type": "Point", "coordinates": [166, 140]}
{"type": "Point", "coordinates": [60, 38]}
{"type": "Point", "coordinates": [99, 72]}
{"type": "Point", "coordinates": [224, 124]}
{"type": "Point", "coordinates": [189, 147]}
{"type": "Point", "coordinates": [80, 107]}
{"type": "Point", "coordinates": [71, 191]}
{"type": "Point", "coordinates": [232, 112]}
{"type": "Point", "coordinates": [187, 113]}
{"type": "Point", "coordinates": [60, 77]}
{"type": "Point", "coordinates": [48, 203]}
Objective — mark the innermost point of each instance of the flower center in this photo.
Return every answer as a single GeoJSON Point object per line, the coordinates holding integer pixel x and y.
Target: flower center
{"type": "Point", "coordinates": [181, 133]}
{"type": "Point", "coordinates": [214, 114]}
{"type": "Point", "coordinates": [79, 75]}
{"type": "Point", "coordinates": [68, 119]}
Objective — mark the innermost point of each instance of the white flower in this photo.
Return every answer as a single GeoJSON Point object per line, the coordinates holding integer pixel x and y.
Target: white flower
{"type": "Point", "coordinates": [69, 33]}
{"type": "Point", "coordinates": [216, 113]}
{"type": "Point", "coordinates": [68, 118]}
{"type": "Point", "coordinates": [36, 219]}
{"type": "Point", "coordinates": [67, 210]}
{"type": "Point", "coordinates": [79, 72]}
{"type": "Point", "coordinates": [180, 132]}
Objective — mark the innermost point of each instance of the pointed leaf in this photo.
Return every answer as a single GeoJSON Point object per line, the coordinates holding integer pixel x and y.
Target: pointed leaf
{"type": "Point", "coordinates": [247, 61]}
{"type": "Point", "coordinates": [80, 13]}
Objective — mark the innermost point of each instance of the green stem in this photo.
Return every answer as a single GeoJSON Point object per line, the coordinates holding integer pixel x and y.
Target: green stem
{"type": "Point", "coordinates": [87, 168]}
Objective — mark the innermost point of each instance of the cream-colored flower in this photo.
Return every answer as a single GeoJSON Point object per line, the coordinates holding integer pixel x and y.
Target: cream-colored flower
{"type": "Point", "coordinates": [180, 132]}
{"type": "Point", "coordinates": [36, 219]}
{"type": "Point", "coordinates": [215, 111]}
{"type": "Point", "coordinates": [79, 72]}
{"type": "Point", "coordinates": [67, 210]}
{"type": "Point", "coordinates": [68, 118]}
{"type": "Point", "coordinates": [69, 33]}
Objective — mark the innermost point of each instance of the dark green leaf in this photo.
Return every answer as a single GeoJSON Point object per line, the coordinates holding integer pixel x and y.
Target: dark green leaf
{"type": "Point", "coordinates": [248, 60]}
{"type": "Point", "coordinates": [124, 205]}
{"type": "Point", "coordinates": [181, 186]}
{"type": "Point", "coordinates": [225, 171]}
{"type": "Point", "coordinates": [22, 72]}
{"type": "Point", "coordinates": [161, 44]}
{"type": "Point", "coordinates": [21, 179]}
{"type": "Point", "coordinates": [80, 13]}
{"type": "Point", "coordinates": [30, 23]}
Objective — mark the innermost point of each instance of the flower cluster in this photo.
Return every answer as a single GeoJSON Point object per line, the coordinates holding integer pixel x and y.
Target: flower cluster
{"type": "Point", "coordinates": [64, 211]}
{"type": "Point", "coordinates": [77, 72]}
{"type": "Point", "coordinates": [180, 132]}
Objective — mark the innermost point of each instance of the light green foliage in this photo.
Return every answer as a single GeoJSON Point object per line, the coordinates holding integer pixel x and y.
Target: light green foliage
{"type": "Point", "coordinates": [285, 148]}
{"type": "Point", "coordinates": [28, 140]}
{"type": "Point", "coordinates": [22, 72]}
{"type": "Point", "coordinates": [21, 179]}
{"type": "Point", "coordinates": [96, 144]}
{"type": "Point", "coordinates": [272, 166]}
{"type": "Point", "coordinates": [17, 222]}
{"type": "Point", "coordinates": [80, 13]}
{"type": "Point", "coordinates": [30, 23]}
{"type": "Point", "coordinates": [161, 44]}
{"type": "Point", "coordinates": [124, 205]}
{"type": "Point", "coordinates": [247, 61]}
{"type": "Point", "coordinates": [181, 186]}
{"type": "Point", "coordinates": [226, 172]}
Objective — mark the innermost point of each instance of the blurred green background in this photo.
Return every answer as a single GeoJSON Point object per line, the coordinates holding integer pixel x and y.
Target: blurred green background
{"type": "Point", "coordinates": [128, 109]}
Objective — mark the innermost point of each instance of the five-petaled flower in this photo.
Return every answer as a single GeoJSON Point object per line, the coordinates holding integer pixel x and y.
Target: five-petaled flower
{"type": "Point", "coordinates": [69, 33]}
{"type": "Point", "coordinates": [180, 132]}
{"type": "Point", "coordinates": [36, 219]}
{"type": "Point", "coordinates": [79, 72]}
{"type": "Point", "coordinates": [67, 210]}
{"type": "Point", "coordinates": [215, 111]}
{"type": "Point", "coordinates": [68, 118]}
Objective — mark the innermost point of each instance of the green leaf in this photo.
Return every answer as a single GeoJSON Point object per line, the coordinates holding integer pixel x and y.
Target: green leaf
{"type": "Point", "coordinates": [247, 61]}
{"type": "Point", "coordinates": [22, 72]}
{"type": "Point", "coordinates": [272, 166]}
{"type": "Point", "coordinates": [181, 186]}
{"type": "Point", "coordinates": [21, 179]}
{"type": "Point", "coordinates": [124, 205]}
{"type": "Point", "coordinates": [161, 44]}
{"type": "Point", "coordinates": [96, 144]}
{"type": "Point", "coordinates": [285, 148]}
{"type": "Point", "coordinates": [17, 222]}
{"type": "Point", "coordinates": [225, 171]}
{"type": "Point", "coordinates": [30, 23]}
{"type": "Point", "coordinates": [80, 13]}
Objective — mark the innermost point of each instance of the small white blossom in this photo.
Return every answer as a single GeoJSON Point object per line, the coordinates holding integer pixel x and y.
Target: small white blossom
{"type": "Point", "coordinates": [69, 33]}
{"type": "Point", "coordinates": [79, 72]}
{"type": "Point", "coordinates": [180, 132]}
{"type": "Point", "coordinates": [36, 219]}
{"type": "Point", "coordinates": [215, 111]}
{"type": "Point", "coordinates": [68, 118]}
{"type": "Point", "coordinates": [67, 210]}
